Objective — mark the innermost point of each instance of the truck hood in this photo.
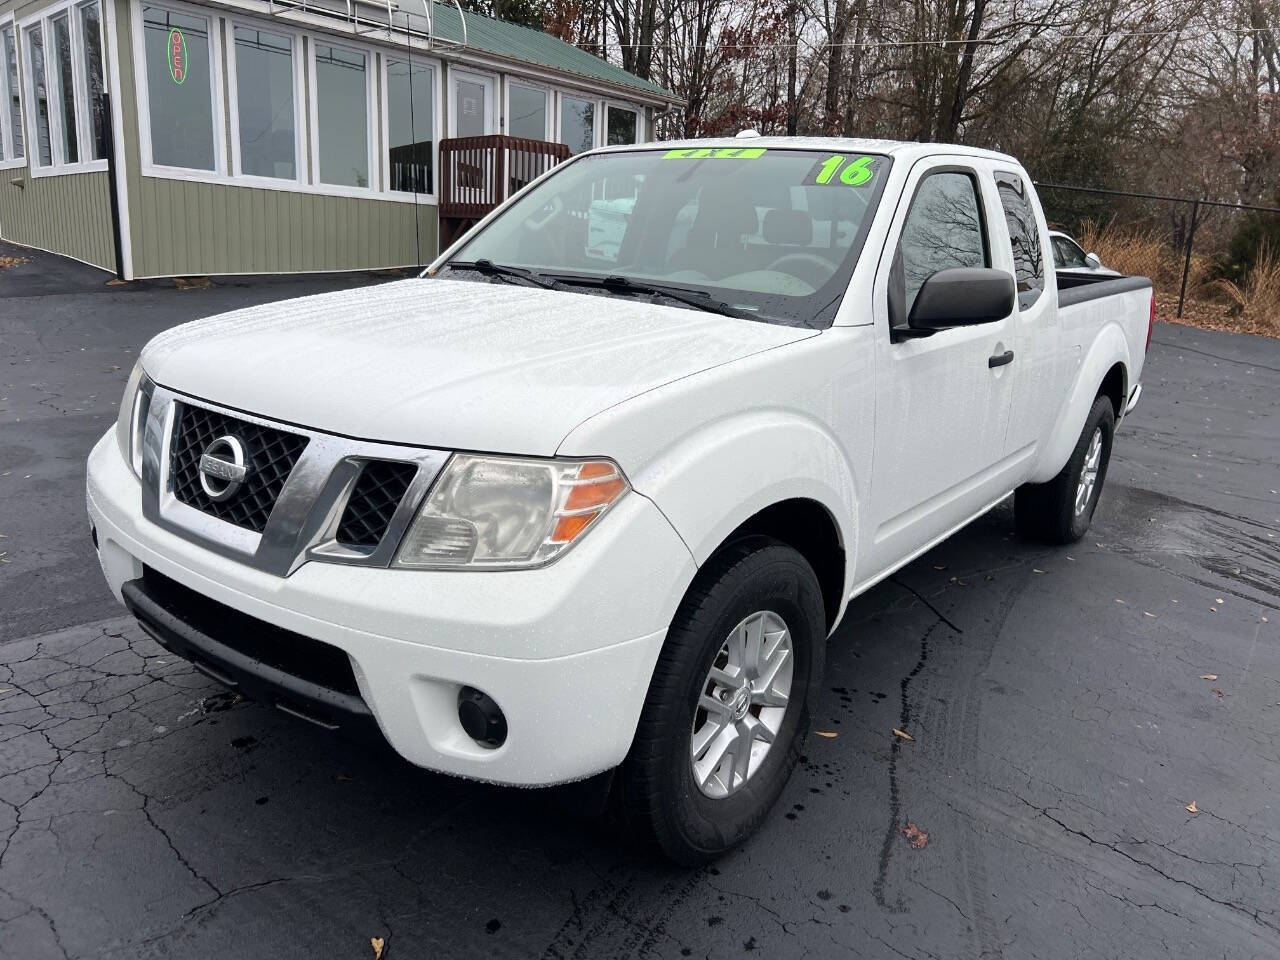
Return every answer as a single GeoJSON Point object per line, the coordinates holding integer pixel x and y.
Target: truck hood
{"type": "Point", "coordinates": [447, 363]}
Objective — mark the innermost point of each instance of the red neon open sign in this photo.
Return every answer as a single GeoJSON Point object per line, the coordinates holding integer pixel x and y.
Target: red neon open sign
{"type": "Point", "coordinates": [177, 56]}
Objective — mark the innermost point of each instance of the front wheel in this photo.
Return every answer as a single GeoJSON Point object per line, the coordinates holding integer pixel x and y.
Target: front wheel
{"type": "Point", "coordinates": [728, 707]}
{"type": "Point", "coordinates": [1061, 510]}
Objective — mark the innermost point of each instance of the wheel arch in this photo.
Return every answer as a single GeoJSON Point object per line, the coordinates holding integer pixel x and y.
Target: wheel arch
{"type": "Point", "coordinates": [808, 527]}
{"type": "Point", "coordinates": [1103, 371]}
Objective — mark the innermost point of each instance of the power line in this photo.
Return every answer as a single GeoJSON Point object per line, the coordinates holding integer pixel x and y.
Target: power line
{"type": "Point", "coordinates": [1046, 34]}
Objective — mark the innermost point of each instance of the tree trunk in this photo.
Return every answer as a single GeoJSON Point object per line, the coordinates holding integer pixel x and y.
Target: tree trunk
{"type": "Point", "coordinates": [793, 120]}
{"type": "Point", "coordinates": [960, 94]}
{"type": "Point", "coordinates": [835, 66]}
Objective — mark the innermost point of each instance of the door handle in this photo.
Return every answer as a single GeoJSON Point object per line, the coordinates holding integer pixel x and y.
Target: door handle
{"type": "Point", "coordinates": [1000, 359]}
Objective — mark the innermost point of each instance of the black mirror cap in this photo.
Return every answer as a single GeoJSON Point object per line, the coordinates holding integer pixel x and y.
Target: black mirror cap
{"type": "Point", "coordinates": [962, 296]}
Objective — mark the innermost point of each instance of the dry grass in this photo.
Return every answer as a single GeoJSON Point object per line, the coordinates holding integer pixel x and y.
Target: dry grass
{"type": "Point", "coordinates": [1256, 302]}
{"type": "Point", "coordinates": [1136, 252]}
{"type": "Point", "coordinates": [1250, 307]}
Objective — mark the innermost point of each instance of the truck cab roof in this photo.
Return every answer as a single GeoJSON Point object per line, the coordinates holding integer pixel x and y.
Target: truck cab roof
{"type": "Point", "coordinates": [906, 149]}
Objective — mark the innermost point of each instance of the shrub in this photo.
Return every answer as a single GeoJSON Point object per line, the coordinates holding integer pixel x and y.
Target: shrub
{"type": "Point", "coordinates": [1256, 300]}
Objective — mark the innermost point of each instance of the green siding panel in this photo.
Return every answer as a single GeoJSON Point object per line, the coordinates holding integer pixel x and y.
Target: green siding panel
{"type": "Point", "coordinates": [68, 214]}
{"type": "Point", "coordinates": [185, 228]}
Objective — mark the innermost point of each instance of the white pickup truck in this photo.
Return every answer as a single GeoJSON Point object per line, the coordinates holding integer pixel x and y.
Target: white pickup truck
{"type": "Point", "coordinates": [559, 509]}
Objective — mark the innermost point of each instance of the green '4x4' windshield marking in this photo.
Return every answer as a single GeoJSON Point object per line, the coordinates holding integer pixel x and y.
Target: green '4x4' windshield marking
{"type": "Point", "coordinates": [714, 153]}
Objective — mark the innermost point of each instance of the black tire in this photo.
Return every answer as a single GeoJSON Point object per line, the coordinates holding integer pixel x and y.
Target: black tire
{"type": "Point", "coordinates": [1046, 511]}
{"type": "Point", "coordinates": [656, 794]}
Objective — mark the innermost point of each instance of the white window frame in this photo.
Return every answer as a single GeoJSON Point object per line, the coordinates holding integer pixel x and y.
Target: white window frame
{"type": "Point", "coordinates": [6, 126]}
{"type": "Point", "coordinates": [83, 112]}
{"type": "Point", "coordinates": [372, 70]}
{"type": "Point", "coordinates": [300, 153]}
{"type": "Point", "coordinates": [384, 161]}
{"type": "Point", "coordinates": [58, 165]}
{"type": "Point", "coordinates": [548, 133]}
{"type": "Point", "coordinates": [596, 125]}
{"type": "Point", "coordinates": [219, 110]}
{"type": "Point", "coordinates": [490, 82]}
{"type": "Point", "coordinates": [629, 108]}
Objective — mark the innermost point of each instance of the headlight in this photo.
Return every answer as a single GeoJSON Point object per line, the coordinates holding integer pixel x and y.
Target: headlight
{"type": "Point", "coordinates": [507, 512]}
{"type": "Point", "coordinates": [132, 418]}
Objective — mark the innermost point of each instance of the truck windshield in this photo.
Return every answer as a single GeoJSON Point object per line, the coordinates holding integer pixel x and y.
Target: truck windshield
{"type": "Point", "coordinates": [757, 232]}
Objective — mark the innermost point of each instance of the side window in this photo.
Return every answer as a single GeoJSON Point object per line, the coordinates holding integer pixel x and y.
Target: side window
{"type": "Point", "coordinates": [1067, 254]}
{"type": "Point", "coordinates": [1024, 236]}
{"type": "Point", "coordinates": [943, 229]}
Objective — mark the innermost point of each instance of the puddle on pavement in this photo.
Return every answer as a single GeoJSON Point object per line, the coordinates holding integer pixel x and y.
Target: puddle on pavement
{"type": "Point", "coordinates": [1234, 554]}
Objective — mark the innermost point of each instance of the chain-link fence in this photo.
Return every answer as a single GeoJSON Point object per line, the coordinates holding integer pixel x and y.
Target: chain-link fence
{"type": "Point", "coordinates": [1178, 221]}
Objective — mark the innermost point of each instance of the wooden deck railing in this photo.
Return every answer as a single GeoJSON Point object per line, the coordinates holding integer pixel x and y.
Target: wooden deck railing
{"type": "Point", "coordinates": [478, 173]}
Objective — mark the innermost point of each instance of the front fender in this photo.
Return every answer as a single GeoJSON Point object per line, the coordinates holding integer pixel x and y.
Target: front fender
{"type": "Point", "coordinates": [1108, 348]}
{"type": "Point", "coordinates": [713, 480]}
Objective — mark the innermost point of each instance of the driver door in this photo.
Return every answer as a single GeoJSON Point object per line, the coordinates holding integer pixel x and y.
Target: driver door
{"type": "Point", "coordinates": [942, 408]}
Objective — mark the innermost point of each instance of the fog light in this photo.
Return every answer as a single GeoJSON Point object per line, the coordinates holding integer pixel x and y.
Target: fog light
{"type": "Point", "coordinates": [481, 718]}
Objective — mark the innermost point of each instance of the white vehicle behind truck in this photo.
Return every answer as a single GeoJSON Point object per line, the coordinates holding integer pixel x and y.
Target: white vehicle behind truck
{"type": "Point", "coordinates": [566, 508]}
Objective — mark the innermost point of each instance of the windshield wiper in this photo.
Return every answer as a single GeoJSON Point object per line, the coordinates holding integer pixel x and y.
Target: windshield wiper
{"type": "Point", "coordinates": [697, 300]}
{"type": "Point", "coordinates": [491, 269]}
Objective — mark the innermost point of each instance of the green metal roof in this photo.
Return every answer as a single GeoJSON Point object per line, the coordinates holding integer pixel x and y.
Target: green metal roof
{"type": "Point", "coordinates": [530, 46]}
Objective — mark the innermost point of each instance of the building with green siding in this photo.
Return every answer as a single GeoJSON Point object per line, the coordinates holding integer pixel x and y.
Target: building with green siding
{"type": "Point", "coordinates": [246, 136]}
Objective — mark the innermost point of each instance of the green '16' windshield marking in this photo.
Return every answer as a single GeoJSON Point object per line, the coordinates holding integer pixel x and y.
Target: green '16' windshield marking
{"type": "Point", "coordinates": [853, 174]}
{"type": "Point", "coordinates": [714, 153]}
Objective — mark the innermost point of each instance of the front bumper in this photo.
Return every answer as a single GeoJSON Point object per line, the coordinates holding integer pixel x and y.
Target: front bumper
{"type": "Point", "coordinates": [566, 650]}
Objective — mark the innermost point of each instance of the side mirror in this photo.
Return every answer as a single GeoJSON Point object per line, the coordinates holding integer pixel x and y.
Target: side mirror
{"type": "Point", "coordinates": [962, 296]}
{"type": "Point", "coordinates": [1093, 260]}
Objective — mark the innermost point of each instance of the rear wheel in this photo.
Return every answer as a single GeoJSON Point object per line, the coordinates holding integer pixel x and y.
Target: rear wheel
{"type": "Point", "coordinates": [1061, 510]}
{"type": "Point", "coordinates": [728, 707]}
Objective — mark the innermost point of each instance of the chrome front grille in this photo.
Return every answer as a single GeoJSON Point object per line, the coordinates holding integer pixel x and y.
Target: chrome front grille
{"type": "Point", "coordinates": [307, 495]}
{"type": "Point", "coordinates": [270, 454]}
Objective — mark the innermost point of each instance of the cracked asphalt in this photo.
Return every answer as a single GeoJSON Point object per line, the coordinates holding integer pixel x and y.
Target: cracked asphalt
{"type": "Point", "coordinates": [1057, 698]}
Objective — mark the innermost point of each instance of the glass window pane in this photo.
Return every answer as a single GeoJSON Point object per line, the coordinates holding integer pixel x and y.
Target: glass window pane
{"type": "Point", "coordinates": [622, 126]}
{"type": "Point", "coordinates": [577, 124]}
{"type": "Point", "coordinates": [1024, 237]}
{"type": "Point", "coordinates": [91, 36]}
{"type": "Point", "coordinates": [943, 230]}
{"type": "Point", "coordinates": [527, 112]}
{"type": "Point", "coordinates": [470, 109]}
{"type": "Point", "coordinates": [342, 116]}
{"type": "Point", "coordinates": [13, 91]}
{"type": "Point", "coordinates": [178, 92]}
{"type": "Point", "coordinates": [65, 101]}
{"type": "Point", "coordinates": [410, 127]}
{"type": "Point", "coordinates": [264, 108]}
{"type": "Point", "coordinates": [35, 50]}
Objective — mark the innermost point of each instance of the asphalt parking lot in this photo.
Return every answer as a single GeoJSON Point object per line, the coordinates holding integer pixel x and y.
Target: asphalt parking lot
{"type": "Point", "coordinates": [1067, 707]}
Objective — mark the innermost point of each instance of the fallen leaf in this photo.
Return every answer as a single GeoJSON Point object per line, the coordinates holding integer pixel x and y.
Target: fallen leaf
{"type": "Point", "coordinates": [1217, 693]}
{"type": "Point", "coordinates": [904, 735]}
{"type": "Point", "coordinates": [829, 734]}
{"type": "Point", "coordinates": [378, 944]}
{"type": "Point", "coordinates": [917, 836]}
{"type": "Point", "coordinates": [1192, 808]}
{"type": "Point", "coordinates": [1208, 676]}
